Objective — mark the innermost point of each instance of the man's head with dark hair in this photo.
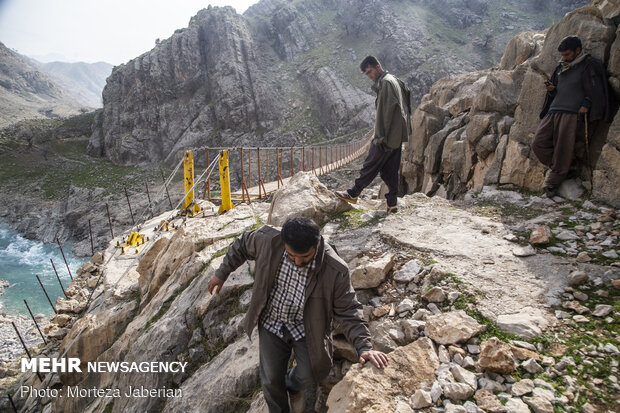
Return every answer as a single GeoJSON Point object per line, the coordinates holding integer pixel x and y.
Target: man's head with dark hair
{"type": "Point", "coordinates": [371, 67]}
{"type": "Point", "coordinates": [569, 48]}
{"type": "Point", "coordinates": [301, 238]}
{"type": "Point", "coordinates": [369, 61]}
{"type": "Point", "coordinates": [570, 43]}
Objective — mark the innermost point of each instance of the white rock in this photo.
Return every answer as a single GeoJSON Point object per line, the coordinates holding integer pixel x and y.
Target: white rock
{"type": "Point", "coordinates": [468, 363]}
{"type": "Point", "coordinates": [454, 408]}
{"type": "Point", "coordinates": [532, 366]}
{"type": "Point", "coordinates": [402, 407]}
{"type": "Point", "coordinates": [473, 348]}
{"type": "Point", "coordinates": [522, 387]}
{"type": "Point", "coordinates": [369, 273]}
{"type": "Point", "coordinates": [524, 251]}
{"type": "Point", "coordinates": [577, 278]}
{"type": "Point", "coordinates": [408, 272]}
{"type": "Point", "coordinates": [421, 314]}
{"type": "Point", "coordinates": [602, 310]}
{"type": "Point", "coordinates": [515, 405]}
{"type": "Point", "coordinates": [433, 308]}
{"type": "Point", "coordinates": [421, 399]}
{"type": "Point", "coordinates": [543, 384]}
{"type": "Point", "coordinates": [524, 344]}
{"type": "Point", "coordinates": [559, 314]}
{"type": "Point", "coordinates": [529, 323]}
{"type": "Point", "coordinates": [471, 407]}
{"type": "Point", "coordinates": [580, 319]}
{"type": "Point", "coordinates": [610, 348]}
{"type": "Point", "coordinates": [436, 391]}
{"type": "Point", "coordinates": [464, 376]}
{"type": "Point", "coordinates": [405, 305]}
{"type": "Point", "coordinates": [442, 353]}
{"type": "Point", "coordinates": [544, 393]}
{"type": "Point", "coordinates": [610, 254]}
{"type": "Point", "coordinates": [457, 391]}
{"type": "Point", "coordinates": [567, 235]}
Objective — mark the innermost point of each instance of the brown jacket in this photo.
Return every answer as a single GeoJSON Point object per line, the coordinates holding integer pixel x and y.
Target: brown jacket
{"type": "Point", "coordinates": [329, 294]}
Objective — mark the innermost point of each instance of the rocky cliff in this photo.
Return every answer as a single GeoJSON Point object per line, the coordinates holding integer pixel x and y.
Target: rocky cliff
{"type": "Point", "coordinates": [476, 129]}
{"type": "Point", "coordinates": [287, 72]}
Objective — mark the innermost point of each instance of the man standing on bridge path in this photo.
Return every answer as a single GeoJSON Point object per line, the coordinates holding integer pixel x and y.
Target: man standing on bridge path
{"type": "Point", "coordinates": [301, 286]}
{"type": "Point", "coordinates": [392, 128]}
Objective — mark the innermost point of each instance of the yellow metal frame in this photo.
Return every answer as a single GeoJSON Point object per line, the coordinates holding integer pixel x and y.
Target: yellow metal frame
{"type": "Point", "coordinates": [189, 206]}
{"type": "Point", "coordinates": [227, 204]}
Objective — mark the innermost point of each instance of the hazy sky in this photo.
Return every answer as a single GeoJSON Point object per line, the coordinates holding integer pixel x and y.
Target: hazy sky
{"type": "Point", "coordinates": [112, 31]}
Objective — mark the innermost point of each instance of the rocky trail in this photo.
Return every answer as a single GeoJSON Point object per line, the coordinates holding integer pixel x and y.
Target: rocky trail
{"type": "Point", "coordinates": [476, 314]}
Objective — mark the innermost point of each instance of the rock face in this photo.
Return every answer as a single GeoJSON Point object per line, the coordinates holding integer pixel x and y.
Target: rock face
{"type": "Point", "coordinates": [272, 75]}
{"type": "Point", "coordinates": [480, 125]}
{"type": "Point", "coordinates": [304, 195]}
{"type": "Point", "coordinates": [366, 388]}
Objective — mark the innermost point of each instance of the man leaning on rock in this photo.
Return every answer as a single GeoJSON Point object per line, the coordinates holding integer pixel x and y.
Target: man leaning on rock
{"type": "Point", "coordinates": [300, 287]}
{"type": "Point", "coordinates": [392, 128]}
{"type": "Point", "coordinates": [577, 93]}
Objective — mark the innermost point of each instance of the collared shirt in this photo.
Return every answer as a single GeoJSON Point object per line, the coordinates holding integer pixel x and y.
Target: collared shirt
{"type": "Point", "coordinates": [285, 306]}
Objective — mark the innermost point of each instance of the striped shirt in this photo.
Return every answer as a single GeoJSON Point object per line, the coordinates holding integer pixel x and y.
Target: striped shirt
{"type": "Point", "coordinates": [285, 306]}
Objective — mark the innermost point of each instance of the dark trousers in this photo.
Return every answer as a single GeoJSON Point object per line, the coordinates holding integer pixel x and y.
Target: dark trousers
{"type": "Point", "coordinates": [274, 355]}
{"type": "Point", "coordinates": [554, 144]}
{"type": "Point", "coordinates": [385, 163]}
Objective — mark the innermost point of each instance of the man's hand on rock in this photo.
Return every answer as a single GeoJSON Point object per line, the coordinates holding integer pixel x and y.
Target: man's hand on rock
{"type": "Point", "coordinates": [215, 285]}
{"type": "Point", "coordinates": [379, 359]}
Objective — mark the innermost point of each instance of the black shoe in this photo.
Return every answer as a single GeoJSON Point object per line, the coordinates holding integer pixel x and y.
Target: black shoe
{"type": "Point", "coordinates": [344, 195]}
{"type": "Point", "coordinates": [551, 191]}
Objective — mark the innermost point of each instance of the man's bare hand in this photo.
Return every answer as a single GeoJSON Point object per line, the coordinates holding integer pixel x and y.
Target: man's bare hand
{"type": "Point", "coordinates": [379, 359]}
{"type": "Point", "coordinates": [215, 285]}
{"type": "Point", "coordinates": [549, 86]}
{"type": "Point", "coordinates": [583, 110]}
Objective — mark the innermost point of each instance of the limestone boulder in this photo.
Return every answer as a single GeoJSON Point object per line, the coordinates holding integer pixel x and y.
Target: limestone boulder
{"type": "Point", "coordinates": [499, 92]}
{"type": "Point", "coordinates": [520, 168]}
{"type": "Point", "coordinates": [304, 195]}
{"type": "Point", "coordinates": [606, 175]}
{"type": "Point", "coordinates": [452, 328]}
{"type": "Point", "coordinates": [520, 48]}
{"type": "Point", "coordinates": [496, 356]}
{"type": "Point", "coordinates": [370, 272]}
{"type": "Point", "coordinates": [366, 388]}
{"type": "Point", "coordinates": [528, 323]}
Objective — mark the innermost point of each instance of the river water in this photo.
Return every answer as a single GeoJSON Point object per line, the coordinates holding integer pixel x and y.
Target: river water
{"type": "Point", "coordinates": [20, 260]}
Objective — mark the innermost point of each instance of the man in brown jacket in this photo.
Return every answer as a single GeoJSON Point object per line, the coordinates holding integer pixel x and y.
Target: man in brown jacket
{"type": "Point", "coordinates": [300, 286]}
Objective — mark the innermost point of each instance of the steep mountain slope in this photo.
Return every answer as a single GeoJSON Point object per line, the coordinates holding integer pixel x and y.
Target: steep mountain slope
{"type": "Point", "coordinates": [27, 92]}
{"type": "Point", "coordinates": [84, 81]}
{"type": "Point", "coordinates": [287, 71]}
